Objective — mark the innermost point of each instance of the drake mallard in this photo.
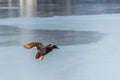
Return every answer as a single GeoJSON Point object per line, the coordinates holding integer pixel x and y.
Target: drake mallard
{"type": "Point", "coordinates": [41, 49]}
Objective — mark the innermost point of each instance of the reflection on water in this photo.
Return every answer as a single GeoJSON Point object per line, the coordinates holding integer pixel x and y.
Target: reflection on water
{"type": "Point", "coordinates": [45, 8]}
{"type": "Point", "coordinates": [28, 7]}
{"type": "Point", "coordinates": [42, 8]}
{"type": "Point", "coordinates": [11, 36]}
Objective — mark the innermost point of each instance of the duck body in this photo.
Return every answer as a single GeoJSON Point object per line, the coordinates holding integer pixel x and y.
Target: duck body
{"type": "Point", "coordinates": [41, 50]}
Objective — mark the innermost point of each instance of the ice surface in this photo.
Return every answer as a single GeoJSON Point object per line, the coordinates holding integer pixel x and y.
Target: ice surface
{"type": "Point", "coordinates": [96, 61]}
{"type": "Point", "coordinates": [92, 22]}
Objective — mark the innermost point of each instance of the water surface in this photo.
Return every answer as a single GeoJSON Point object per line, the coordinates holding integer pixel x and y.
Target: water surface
{"type": "Point", "coordinates": [14, 36]}
{"type": "Point", "coordinates": [33, 9]}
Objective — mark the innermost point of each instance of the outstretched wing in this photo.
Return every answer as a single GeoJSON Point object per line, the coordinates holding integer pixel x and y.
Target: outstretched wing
{"type": "Point", "coordinates": [38, 45]}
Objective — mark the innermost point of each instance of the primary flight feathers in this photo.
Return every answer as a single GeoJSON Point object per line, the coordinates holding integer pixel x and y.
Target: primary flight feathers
{"type": "Point", "coordinates": [38, 45]}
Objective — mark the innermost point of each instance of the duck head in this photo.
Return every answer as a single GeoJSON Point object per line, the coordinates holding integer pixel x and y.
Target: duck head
{"type": "Point", "coordinates": [53, 46]}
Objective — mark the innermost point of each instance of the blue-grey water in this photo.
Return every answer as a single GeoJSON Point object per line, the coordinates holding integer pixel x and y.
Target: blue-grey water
{"type": "Point", "coordinates": [49, 10]}
{"type": "Point", "coordinates": [87, 35]}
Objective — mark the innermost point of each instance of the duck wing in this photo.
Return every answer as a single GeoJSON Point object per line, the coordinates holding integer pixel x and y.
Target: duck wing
{"type": "Point", "coordinates": [38, 45]}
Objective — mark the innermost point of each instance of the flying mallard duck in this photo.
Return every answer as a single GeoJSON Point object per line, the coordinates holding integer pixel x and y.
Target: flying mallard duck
{"type": "Point", "coordinates": [41, 49]}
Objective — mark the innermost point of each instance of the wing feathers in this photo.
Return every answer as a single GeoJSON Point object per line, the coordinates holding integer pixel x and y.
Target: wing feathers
{"type": "Point", "coordinates": [38, 45]}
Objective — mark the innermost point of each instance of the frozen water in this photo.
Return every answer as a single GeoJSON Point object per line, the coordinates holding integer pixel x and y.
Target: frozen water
{"type": "Point", "coordinates": [95, 61]}
{"type": "Point", "coordinates": [97, 22]}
